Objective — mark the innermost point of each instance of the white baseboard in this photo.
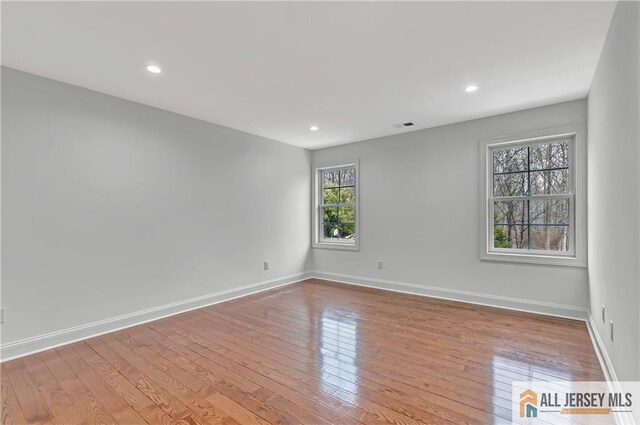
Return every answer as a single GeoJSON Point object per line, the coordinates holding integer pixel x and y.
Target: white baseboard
{"type": "Point", "coordinates": [601, 352]}
{"type": "Point", "coordinates": [607, 368]}
{"type": "Point", "coordinates": [36, 344]}
{"type": "Point", "coordinates": [538, 307]}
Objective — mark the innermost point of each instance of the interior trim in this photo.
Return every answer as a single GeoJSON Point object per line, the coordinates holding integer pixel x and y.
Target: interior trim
{"type": "Point", "coordinates": [36, 344]}
{"type": "Point", "coordinates": [601, 352]}
{"type": "Point", "coordinates": [518, 304]}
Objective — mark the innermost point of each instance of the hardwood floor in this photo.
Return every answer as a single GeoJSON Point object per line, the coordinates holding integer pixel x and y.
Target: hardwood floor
{"type": "Point", "coordinates": [310, 353]}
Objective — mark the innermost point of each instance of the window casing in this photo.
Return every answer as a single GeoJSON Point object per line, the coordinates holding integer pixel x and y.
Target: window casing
{"type": "Point", "coordinates": [336, 210]}
{"type": "Point", "coordinates": [530, 200]}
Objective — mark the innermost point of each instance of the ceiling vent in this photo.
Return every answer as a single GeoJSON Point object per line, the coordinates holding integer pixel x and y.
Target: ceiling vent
{"type": "Point", "coordinates": [403, 125]}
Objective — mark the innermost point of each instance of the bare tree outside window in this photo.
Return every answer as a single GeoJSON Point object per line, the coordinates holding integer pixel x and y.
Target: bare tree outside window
{"type": "Point", "coordinates": [532, 196]}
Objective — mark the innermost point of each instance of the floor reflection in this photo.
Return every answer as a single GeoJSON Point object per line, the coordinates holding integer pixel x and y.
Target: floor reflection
{"type": "Point", "coordinates": [506, 370]}
{"type": "Point", "coordinates": [338, 355]}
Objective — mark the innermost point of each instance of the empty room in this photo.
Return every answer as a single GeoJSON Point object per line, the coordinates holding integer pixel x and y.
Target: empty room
{"type": "Point", "coordinates": [320, 212]}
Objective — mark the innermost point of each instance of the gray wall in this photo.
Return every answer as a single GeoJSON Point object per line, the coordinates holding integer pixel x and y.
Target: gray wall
{"type": "Point", "coordinates": [110, 207]}
{"type": "Point", "coordinates": [426, 182]}
{"type": "Point", "coordinates": [614, 191]}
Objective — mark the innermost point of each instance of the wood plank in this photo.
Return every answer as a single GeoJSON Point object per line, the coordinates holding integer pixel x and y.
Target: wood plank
{"type": "Point", "coordinates": [257, 399]}
{"type": "Point", "coordinates": [315, 352]}
{"type": "Point", "coordinates": [277, 383]}
{"type": "Point", "coordinates": [87, 403]}
{"type": "Point", "coordinates": [434, 350]}
{"type": "Point", "coordinates": [461, 349]}
{"type": "Point", "coordinates": [11, 412]}
{"type": "Point", "coordinates": [132, 395]}
{"type": "Point", "coordinates": [33, 406]}
{"type": "Point", "coordinates": [370, 392]}
{"type": "Point", "coordinates": [110, 400]}
{"type": "Point", "coordinates": [315, 413]}
{"type": "Point", "coordinates": [54, 396]}
{"type": "Point", "coordinates": [447, 325]}
{"type": "Point", "coordinates": [402, 384]}
{"type": "Point", "coordinates": [185, 387]}
{"type": "Point", "coordinates": [159, 395]}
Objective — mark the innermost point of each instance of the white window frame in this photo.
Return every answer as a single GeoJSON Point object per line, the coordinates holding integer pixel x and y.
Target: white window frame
{"type": "Point", "coordinates": [577, 254]}
{"type": "Point", "coordinates": [317, 241]}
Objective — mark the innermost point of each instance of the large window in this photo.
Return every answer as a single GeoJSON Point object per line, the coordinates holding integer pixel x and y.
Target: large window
{"type": "Point", "coordinates": [531, 198]}
{"type": "Point", "coordinates": [337, 207]}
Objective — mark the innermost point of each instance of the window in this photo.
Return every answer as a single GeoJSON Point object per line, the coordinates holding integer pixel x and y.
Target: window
{"type": "Point", "coordinates": [530, 195]}
{"type": "Point", "coordinates": [337, 207]}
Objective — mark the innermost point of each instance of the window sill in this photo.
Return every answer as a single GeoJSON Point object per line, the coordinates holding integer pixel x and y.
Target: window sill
{"type": "Point", "coordinates": [336, 246]}
{"type": "Point", "coordinates": [548, 260]}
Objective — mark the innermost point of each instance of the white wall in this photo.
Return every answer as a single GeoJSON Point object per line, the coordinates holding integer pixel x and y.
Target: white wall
{"type": "Point", "coordinates": [426, 183]}
{"type": "Point", "coordinates": [111, 207]}
{"type": "Point", "coordinates": [614, 192]}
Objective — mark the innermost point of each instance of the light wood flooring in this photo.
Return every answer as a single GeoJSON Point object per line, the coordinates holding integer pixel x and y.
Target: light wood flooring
{"type": "Point", "coordinates": [310, 353]}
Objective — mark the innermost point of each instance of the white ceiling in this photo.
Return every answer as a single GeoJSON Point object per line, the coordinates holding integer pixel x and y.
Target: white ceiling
{"type": "Point", "coordinates": [352, 69]}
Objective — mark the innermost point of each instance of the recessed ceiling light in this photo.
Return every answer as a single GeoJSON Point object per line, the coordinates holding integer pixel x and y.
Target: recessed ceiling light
{"type": "Point", "coordinates": [471, 89]}
{"type": "Point", "coordinates": [313, 128]}
{"type": "Point", "coordinates": [154, 69]}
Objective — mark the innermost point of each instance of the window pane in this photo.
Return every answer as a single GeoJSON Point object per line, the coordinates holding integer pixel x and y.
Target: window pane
{"type": "Point", "coordinates": [347, 195]}
{"type": "Point", "coordinates": [510, 236]}
{"type": "Point", "coordinates": [348, 177]}
{"type": "Point", "coordinates": [330, 179]}
{"type": "Point", "coordinates": [548, 228]}
{"type": "Point", "coordinates": [510, 212]}
{"type": "Point", "coordinates": [338, 224]}
{"type": "Point", "coordinates": [525, 173]}
{"type": "Point", "coordinates": [549, 211]}
{"type": "Point", "coordinates": [331, 196]}
{"type": "Point", "coordinates": [328, 231]}
{"type": "Point", "coordinates": [347, 231]}
{"type": "Point", "coordinates": [339, 233]}
{"type": "Point", "coordinates": [538, 211]}
{"type": "Point", "coordinates": [552, 155]}
{"type": "Point", "coordinates": [509, 160]}
{"type": "Point", "coordinates": [510, 184]}
{"type": "Point", "coordinates": [330, 215]}
{"type": "Point", "coordinates": [550, 238]}
{"type": "Point", "coordinates": [554, 182]}
{"type": "Point", "coordinates": [347, 215]}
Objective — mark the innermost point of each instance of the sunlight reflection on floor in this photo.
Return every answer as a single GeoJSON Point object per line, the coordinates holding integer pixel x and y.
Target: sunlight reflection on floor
{"type": "Point", "coordinates": [338, 354]}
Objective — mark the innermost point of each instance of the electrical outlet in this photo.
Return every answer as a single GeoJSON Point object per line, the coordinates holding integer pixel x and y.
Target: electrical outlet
{"type": "Point", "coordinates": [267, 265]}
{"type": "Point", "coordinates": [603, 314]}
{"type": "Point", "coordinates": [380, 264]}
{"type": "Point", "coordinates": [611, 324]}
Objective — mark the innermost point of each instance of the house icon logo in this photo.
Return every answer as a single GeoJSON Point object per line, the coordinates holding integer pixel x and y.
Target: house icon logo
{"type": "Point", "coordinates": [528, 404]}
